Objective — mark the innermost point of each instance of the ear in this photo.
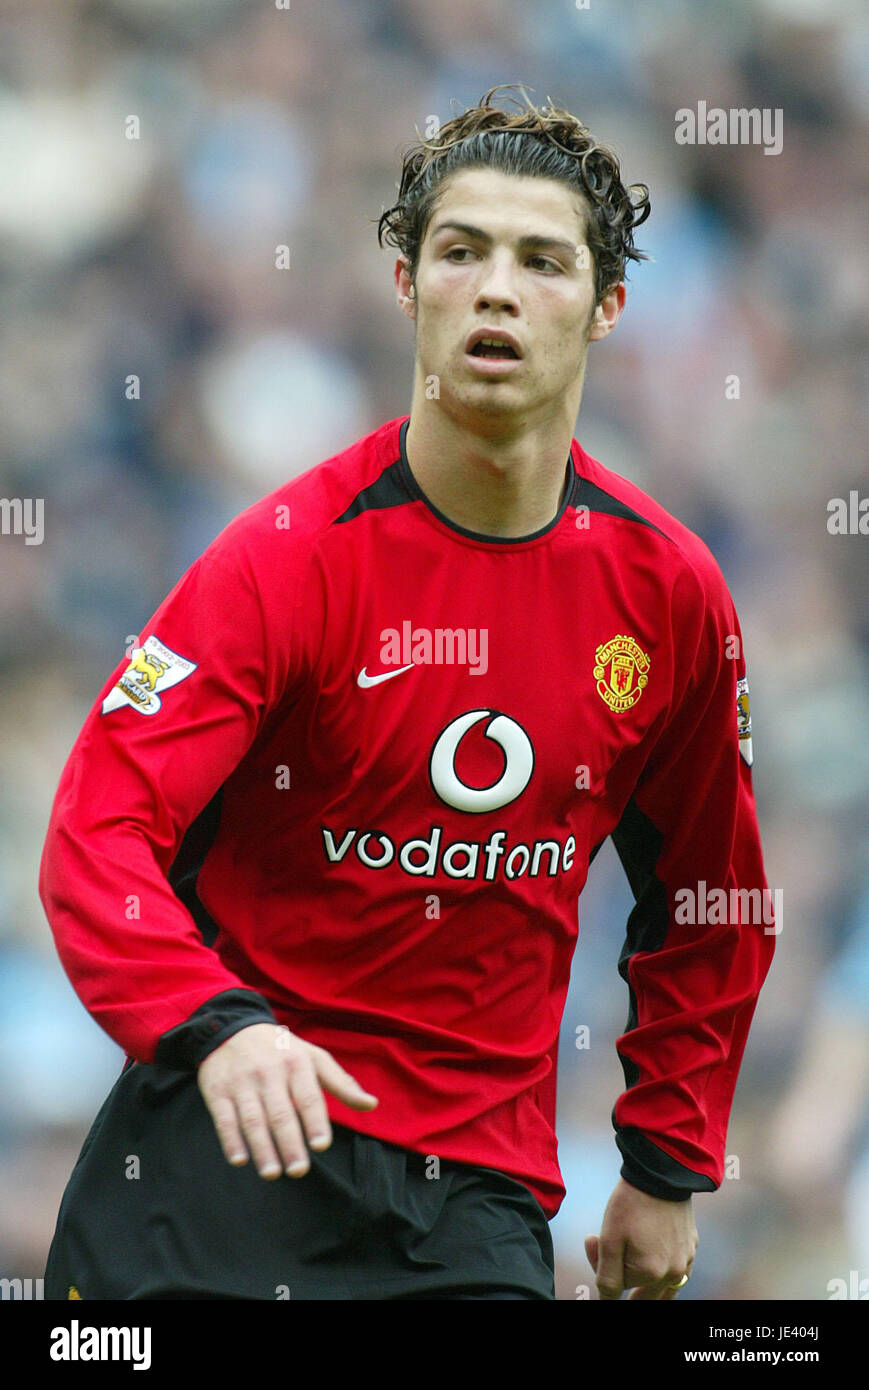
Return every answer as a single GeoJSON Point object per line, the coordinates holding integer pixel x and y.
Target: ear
{"type": "Point", "coordinates": [404, 288]}
{"type": "Point", "coordinates": [607, 313]}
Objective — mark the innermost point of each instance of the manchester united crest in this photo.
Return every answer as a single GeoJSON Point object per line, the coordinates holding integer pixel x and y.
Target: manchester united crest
{"type": "Point", "coordinates": [622, 673]}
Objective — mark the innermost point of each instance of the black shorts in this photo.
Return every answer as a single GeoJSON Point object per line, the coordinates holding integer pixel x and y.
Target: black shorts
{"type": "Point", "coordinates": [154, 1211]}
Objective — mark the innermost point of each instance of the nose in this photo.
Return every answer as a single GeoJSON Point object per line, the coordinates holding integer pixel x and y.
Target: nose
{"type": "Point", "coordinates": [496, 288]}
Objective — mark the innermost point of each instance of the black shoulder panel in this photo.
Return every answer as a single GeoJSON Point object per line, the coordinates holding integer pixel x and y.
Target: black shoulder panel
{"type": "Point", "coordinates": [386, 491]}
{"type": "Point", "coordinates": [588, 494]}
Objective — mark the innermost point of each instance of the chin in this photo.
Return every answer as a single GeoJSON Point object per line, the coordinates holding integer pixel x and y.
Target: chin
{"type": "Point", "coordinates": [488, 415]}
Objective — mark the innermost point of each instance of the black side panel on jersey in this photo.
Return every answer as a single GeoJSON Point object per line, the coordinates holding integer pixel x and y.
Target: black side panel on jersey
{"type": "Point", "coordinates": [183, 1048]}
{"type": "Point", "coordinates": [596, 851]}
{"type": "Point", "coordinates": [198, 839]}
{"type": "Point", "coordinates": [638, 844]}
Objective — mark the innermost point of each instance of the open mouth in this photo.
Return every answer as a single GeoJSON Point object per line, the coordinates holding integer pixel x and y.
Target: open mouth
{"type": "Point", "coordinates": [492, 347]}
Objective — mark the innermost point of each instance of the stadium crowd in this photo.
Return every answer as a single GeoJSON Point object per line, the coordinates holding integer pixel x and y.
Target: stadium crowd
{"type": "Point", "coordinates": [160, 372]}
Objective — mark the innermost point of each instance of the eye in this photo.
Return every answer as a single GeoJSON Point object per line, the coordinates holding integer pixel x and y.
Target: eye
{"type": "Point", "coordinates": [458, 251]}
{"type": "Point", "coordinates": [544, 263]}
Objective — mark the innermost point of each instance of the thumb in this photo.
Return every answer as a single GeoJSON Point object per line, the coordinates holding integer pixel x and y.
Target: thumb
{"type": "Point", "coordinates": [610, 1271]}
{"type": "Point", "coordinates": [592, 1250]}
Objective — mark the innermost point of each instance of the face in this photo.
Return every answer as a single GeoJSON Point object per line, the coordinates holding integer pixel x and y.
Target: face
{"type": "Point", "coordinates": [505, 257]}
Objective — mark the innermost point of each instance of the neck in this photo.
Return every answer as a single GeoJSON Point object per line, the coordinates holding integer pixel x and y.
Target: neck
{"type": "Point", "coordinates": [497, 481]}
{"type": "Point", "coordinates": [496, 474]}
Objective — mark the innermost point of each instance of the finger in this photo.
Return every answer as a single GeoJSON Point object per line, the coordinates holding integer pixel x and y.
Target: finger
{"type": "Point", "coordinates": [662, 1290]}
{"type": "Point", "coordinates": [254, 1126]}
{"type": "Point", "coordinates": [645, 1292]}
{"type": "Point", "coordinates": [341, 1084]}
{"type": "Point", "coordinates": [670, 1291]}
{"type": "Point", "coordinates": [309, 1102]}
{"type": "Point", "coordinates": [222, 1112]}
{"type": "Point", "coordinates": [610, 1270]}
{"type": "Point", "coordinates": [285, 1129]}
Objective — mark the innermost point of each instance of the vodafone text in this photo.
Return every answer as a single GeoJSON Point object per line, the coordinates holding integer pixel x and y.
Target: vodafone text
{"type": "Point", "coordinates": [458, 859]}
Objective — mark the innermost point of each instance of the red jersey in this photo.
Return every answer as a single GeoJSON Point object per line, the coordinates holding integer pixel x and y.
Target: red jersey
{"type": "Point", "coordinates": [352, 778]}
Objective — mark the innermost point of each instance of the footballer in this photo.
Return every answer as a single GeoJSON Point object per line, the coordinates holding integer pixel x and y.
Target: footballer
{"type": "Point", "coordinates": [314, 859]}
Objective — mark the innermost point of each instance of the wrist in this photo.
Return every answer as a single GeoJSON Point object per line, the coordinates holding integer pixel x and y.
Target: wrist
{"type": "Point", "coordinates": [185, 1047]}
{"type": "Point", "coordinates": [655, 1172]}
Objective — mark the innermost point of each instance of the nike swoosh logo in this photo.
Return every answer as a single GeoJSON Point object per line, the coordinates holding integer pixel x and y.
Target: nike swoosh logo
{"type": "Point", "coordinates": [366, 681]}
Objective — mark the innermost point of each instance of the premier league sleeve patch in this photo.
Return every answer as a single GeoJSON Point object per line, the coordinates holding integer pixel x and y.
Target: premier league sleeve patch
{"type": "Point", "coordinates": [152, 670]}
{"type": "Point", "coordinates": [743, 720]}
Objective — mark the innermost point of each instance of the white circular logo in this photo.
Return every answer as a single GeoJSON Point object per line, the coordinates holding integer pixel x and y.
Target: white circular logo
{"type": "Point", "coordinates": [518, 763]}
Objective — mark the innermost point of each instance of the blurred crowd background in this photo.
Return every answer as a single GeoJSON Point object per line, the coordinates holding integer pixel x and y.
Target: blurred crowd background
{"type": "Point", "coordinates": [155, 257]}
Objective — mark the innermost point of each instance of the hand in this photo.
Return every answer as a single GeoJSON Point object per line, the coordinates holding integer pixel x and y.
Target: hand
{"type": "Point", "coordinates": [645, 1244]}
{"type": "Point", "coordinates": [259, 1082]}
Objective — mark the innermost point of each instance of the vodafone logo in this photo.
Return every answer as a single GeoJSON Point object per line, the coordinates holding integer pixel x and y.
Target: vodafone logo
{"type": "Point", "coordinates": [429, 854]}
{"type": "Point", "coordinates": [518, 763]}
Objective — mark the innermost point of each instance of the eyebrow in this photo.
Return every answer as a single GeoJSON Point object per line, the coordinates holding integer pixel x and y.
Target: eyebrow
{"type": "Point", "coordinates": [527, 242]}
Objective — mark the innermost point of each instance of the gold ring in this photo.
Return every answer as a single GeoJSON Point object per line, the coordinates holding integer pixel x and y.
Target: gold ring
{"type": "Point", "coordinates": [681, 1284]}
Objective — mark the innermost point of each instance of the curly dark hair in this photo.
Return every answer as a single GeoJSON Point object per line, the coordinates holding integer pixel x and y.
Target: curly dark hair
{"type": "Point", "coordinates": [546, 142]}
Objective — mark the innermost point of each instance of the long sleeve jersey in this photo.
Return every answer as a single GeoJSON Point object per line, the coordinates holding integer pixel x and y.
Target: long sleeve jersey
{"type": "Point", "coordinates": [351, 779]}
